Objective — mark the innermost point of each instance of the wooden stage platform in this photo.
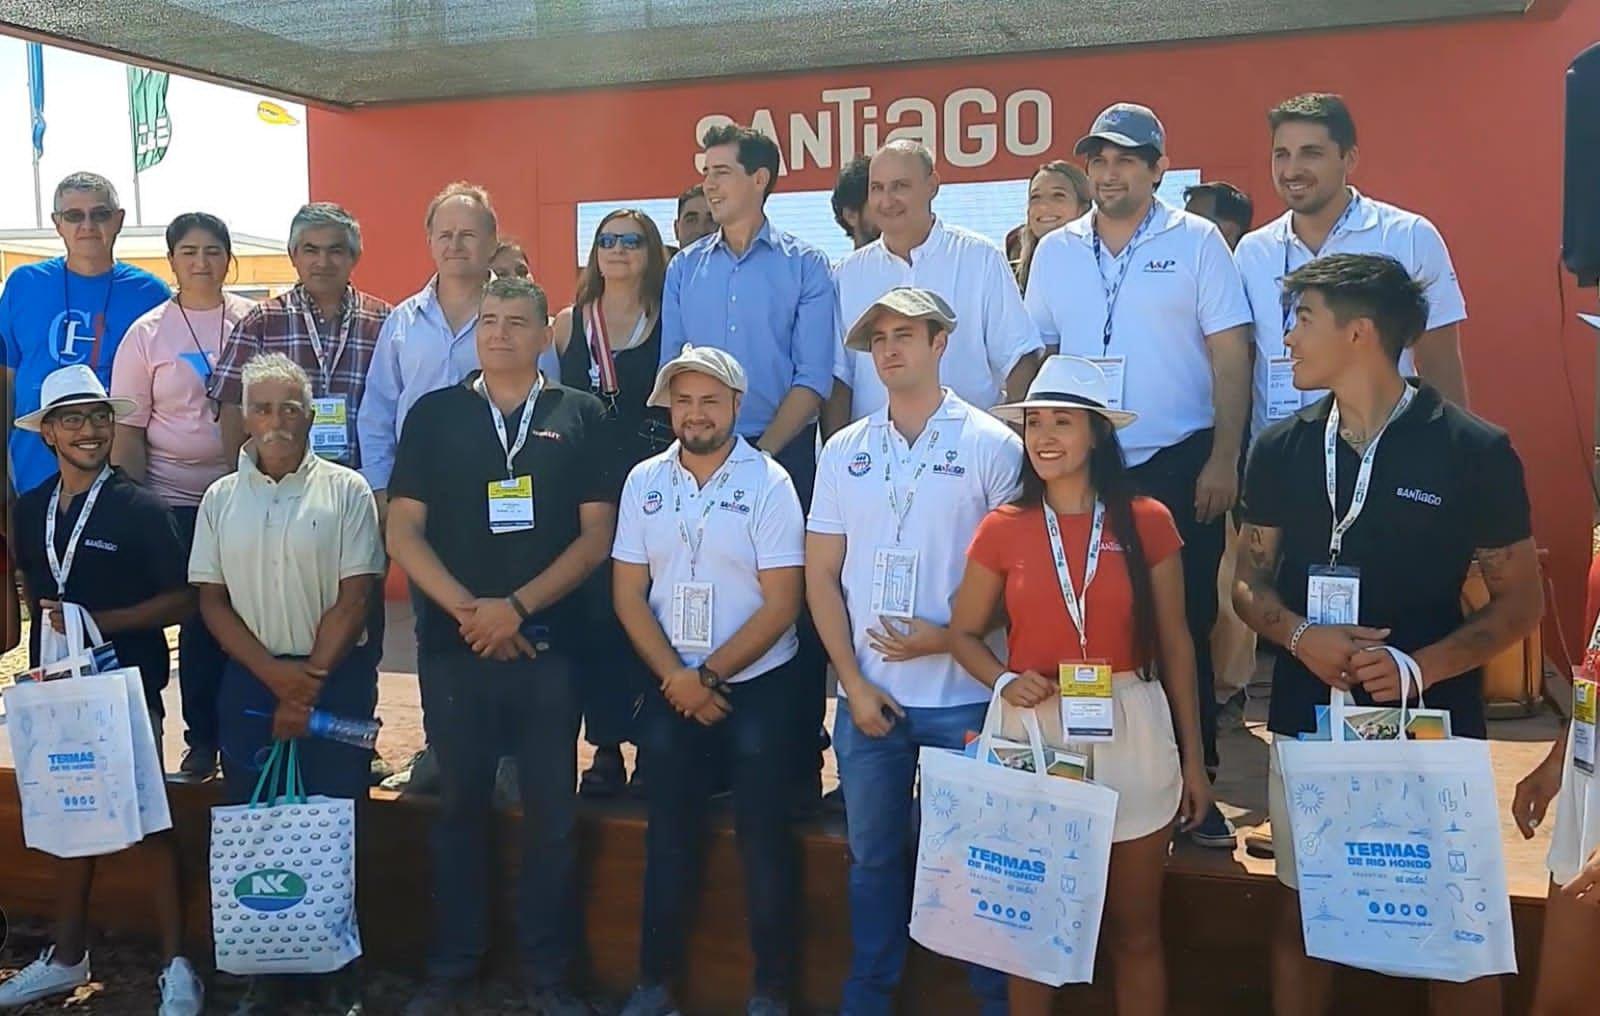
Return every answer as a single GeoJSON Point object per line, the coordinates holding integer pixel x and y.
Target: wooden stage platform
{"type": "Point", "coordinates": [1218, 910]}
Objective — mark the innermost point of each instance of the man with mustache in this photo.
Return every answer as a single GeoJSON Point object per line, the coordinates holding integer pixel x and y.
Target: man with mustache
{"type": "Point", "coordinates": [287, 557]}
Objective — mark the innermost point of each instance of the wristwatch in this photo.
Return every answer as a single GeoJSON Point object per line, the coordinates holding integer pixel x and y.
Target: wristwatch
{"type": "Point", "coordinates": [711, 679]}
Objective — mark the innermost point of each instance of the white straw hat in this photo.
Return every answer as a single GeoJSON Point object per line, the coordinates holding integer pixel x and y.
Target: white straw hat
{"type": "Point", "coordinates": [77, 385]}
{"type": "Point", "coordinates": [1068, 382]}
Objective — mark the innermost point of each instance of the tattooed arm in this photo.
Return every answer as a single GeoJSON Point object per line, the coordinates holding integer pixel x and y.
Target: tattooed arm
{"type": "Point", "coordinates": [1516, 603]}
{"type": "Point", "coordinates": [1255, 597]}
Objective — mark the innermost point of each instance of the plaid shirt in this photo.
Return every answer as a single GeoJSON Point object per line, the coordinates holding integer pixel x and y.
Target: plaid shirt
{"type": "Point", "coordinates": [278, 325]}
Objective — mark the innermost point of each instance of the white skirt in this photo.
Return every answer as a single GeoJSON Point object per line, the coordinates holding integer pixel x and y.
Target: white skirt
{"type": "Point", "coordinates": [1577, 830]}
{"type": "Point", "coordinates": [1141, 765]}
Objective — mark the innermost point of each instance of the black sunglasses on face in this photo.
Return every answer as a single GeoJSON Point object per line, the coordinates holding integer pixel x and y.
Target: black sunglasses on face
{"type": "Point", "coordinates": [99, 215]}
{"type": "Point", "coordinates": [629, 241]}
{"type": "Point", "coordinates": [73, 419]}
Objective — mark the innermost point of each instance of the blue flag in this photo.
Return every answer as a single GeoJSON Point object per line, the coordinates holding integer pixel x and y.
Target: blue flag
{"type": "Point", "coordinates": [36, 95]}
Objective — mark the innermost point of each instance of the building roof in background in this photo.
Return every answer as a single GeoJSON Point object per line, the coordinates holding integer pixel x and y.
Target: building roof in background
{"type": "Point", "coordinates": [133, 242]}
{"type": "Point", "coordinates": [354, 52]}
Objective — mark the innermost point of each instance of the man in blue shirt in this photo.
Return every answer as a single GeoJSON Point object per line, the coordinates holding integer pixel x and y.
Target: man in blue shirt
{"type": "Point", "coordinates": [767, 297]}
{"type": "Point", "coordinates": [66, 311]}
{"type": "Point", "coordinates": [761, 294]}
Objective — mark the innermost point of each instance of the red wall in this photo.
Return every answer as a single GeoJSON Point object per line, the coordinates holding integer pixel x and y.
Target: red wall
{"type": "Point", "coordinates": [1460, 121]}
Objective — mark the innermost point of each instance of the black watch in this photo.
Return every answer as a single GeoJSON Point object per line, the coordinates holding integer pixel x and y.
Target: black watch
{"type": "Point", "coordinates": [710, 678]}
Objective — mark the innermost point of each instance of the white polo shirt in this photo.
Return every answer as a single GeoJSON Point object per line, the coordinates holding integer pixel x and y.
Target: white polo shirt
{"type": "Point", "coordinates": [1267, 254]}
{"type": "Point", "coordinates": [993, 330]}
{"type": "Point", "coordinates": [976, 471]}
{"type": "Point", "coordinates": [282, 547]}
{"type": "Point", "coordinates": [754, 524]}
{"type": "Point", "coordinates": [1180, 288]}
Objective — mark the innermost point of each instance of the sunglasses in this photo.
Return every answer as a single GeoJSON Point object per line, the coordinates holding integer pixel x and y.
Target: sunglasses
{"type": "Point", "coordinates": [74, 419]}
{"type": "Point", "coordinates": [629, 241]}
{"type": "Point", "coordinates": [99, 215]}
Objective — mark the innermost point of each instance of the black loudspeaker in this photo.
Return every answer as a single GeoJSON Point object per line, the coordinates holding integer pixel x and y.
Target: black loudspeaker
{"type": "Point", "coordinates": [1580, 221]}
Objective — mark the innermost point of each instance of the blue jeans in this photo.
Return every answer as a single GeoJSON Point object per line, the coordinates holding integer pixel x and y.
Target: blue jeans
{"type": "Point", "coordinates": [878, 774]}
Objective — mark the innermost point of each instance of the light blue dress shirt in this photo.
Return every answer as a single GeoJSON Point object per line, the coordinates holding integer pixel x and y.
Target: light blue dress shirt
{"type": "Point", "coordinates": [773, 308]}
{"type": "Point", "coordinates": [417, 353]}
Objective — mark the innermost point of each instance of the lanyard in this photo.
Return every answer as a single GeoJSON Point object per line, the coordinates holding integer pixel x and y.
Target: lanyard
{"type": "Point", "coordinates": [1285, 301]}
{"type": "Point", "coordinates": [895, 508]}
{"type": "Point", "coordinates": [600, 352]}
{"type": "Point", "coordinates": [1358, 497]}
{"type": "Point", "coordinates": [99, 321]}
{"type": "Point", "coordinates": [222, 325]}
{"type": "Point", "coordinates": [1114, 290]}
{"type": "Point", "coordinates": [511, 450]}
{"type": "Point", "coordinates": [1077, 606]}
{"type": "Point", "coordinates": [709, 499]}
{"type": "Point", "coordinates": [61, 568]}
{"type": "Point", "coordinates": [347, 321]}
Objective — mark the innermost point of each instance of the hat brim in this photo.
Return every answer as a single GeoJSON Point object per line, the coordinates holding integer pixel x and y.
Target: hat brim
{"type": "Point", "coordinates": [859, 338]}
{"type": "Point", "coordinates": [1014, 412]}
{"type": "Point", "coordinates": [660, 396]}
{"type": "Point", "coordinates": [121, 409]}
{"type": "Point", "coordinates": [1115, 138]}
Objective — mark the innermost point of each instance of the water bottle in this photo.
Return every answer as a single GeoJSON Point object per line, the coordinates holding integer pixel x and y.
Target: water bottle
{"type": "Point", "coordinates": [357, 733]}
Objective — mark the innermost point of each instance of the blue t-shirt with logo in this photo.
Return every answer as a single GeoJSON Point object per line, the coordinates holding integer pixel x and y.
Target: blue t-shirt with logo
{"type": "Point", "coordinates": [48, 319]}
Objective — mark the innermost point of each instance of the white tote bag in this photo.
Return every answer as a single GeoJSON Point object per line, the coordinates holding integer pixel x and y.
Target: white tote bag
{"type": "Point", "coordinates": [1011, 865]}
{"type": "Point", "coordinates": [1398, 853]}
{"type": "Point", "coordinates": [72, 742]}
{"type": "Point", "coordinates": [82, 648]}
{"type": "Point", "coordinates": [283, 878]}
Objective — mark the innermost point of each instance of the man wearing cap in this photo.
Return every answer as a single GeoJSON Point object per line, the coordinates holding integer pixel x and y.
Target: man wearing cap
{"type": "Point", "coordinates": [995, 350]}
{"type": "Point", "coordinates": [497, 515]}
{"type": "Point", "coordinates": [287, 556]}
{"type": "Point", "coordinates": [91, 537]}
{"type": "Point", "coordinates": [1151, 294]}
{"type": "Point", "coordinates": [899, 495]}
{"type": "Point", "coordinates": [67, 310]}
{"type": "Point", "coordinates": [708, 583]}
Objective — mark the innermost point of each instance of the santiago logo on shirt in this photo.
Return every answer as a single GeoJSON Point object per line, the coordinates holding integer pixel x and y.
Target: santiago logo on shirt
{"type": "Point", "coordinates": [861, 464]}
{"type": "Point", "coordinates": [653, 502]}
{"type": "Point", "coordinates": [948, 467]}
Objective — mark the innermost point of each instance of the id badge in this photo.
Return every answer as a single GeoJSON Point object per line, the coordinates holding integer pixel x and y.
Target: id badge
{"type": "Point", "coordinates": [1283, 398]}
{"type": "Point", "coordinates": [511, 505]}
{"type": "Point", "coordinates": [894, 582]}
{"type": "Point", "coordinates": [691, 615]}
{"type": "Point", "coordinates": [1583, 716]}
{"type": "Point", "coordinates": [1086, 711]}
{"type": "Point", "coordinates": [330, 427]}
{"type": "Point", "coordinates": [1114, 368]}
{"type": "Point", "coordinates": [1333, 595]}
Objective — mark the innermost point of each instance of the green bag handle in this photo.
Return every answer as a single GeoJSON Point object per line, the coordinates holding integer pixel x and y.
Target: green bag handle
{"type": "Point", "coordinates": [294, 789]}
{"type": "Point", "coordinates": [285, 764]}
{"type": "Point", "coordinates": [266, 783]}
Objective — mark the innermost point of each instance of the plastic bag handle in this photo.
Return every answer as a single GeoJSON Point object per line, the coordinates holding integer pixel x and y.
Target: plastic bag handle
{"type": "Point", "coordinates": [1030, 722]}
{"type": "Point", "coordinates": [1410, 675]}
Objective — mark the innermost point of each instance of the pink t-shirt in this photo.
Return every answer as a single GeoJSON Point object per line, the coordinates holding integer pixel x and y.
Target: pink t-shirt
{"type": "Point", "coordinates": [163, 364]}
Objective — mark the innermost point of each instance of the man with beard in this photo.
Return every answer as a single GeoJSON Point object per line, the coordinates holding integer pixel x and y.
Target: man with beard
{"type": "Point", "coordinates": [708, 583]}
{"type": "Point", "coordinates": [287, 558]}
{"type": "Point", "coordinates": [91, 537]}
{"type": "Point", "coordinates": [1151, 295]}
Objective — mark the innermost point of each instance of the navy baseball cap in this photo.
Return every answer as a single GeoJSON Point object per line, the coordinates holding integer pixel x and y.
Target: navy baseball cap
{"type": "Point", "coordinates": [1127, 125]}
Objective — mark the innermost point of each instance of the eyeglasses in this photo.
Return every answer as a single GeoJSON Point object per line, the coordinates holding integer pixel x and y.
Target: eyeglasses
{"type": "Point", "coordinates": [99, 215]}
{"type": "Point", "coordinates": [73, 419]}
{"type": "Point", "coordinates": [629, 241]}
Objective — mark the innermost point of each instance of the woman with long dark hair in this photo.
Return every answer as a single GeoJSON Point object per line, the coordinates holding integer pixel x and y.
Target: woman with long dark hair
{"type": "Point", "coordinates": [172, 442]}
{"type": "Point", "coordinates": [1089, 576]}
{"type": "Point", "coordinates": [609, 343]}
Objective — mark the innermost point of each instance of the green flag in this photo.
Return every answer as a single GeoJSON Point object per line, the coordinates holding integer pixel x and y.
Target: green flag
{"type": "Point", "coordinates": [147, 110]}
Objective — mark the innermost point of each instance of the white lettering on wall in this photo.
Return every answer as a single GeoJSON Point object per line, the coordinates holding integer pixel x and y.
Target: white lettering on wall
{"type": "Point", "coordinates": [966, 130]}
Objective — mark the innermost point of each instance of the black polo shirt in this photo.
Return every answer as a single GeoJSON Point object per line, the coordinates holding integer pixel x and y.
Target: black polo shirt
{"type": "Point", "coordinates": [449, 452]}
{"type": "Point", "coordinates": [130, 551]}
{"type": "Point", "coordinates": [1444, 484]}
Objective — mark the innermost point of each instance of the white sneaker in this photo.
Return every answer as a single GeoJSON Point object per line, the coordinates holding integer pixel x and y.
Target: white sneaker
{"type": "Point", "coordinates": [42, 979]}
{"type": "Point", "coordinates": [182, 994]}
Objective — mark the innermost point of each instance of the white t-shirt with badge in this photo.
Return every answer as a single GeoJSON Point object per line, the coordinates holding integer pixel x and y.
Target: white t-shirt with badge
{"type": "Point", "coordinates": [1180, 287]}
{"type": "Point", "coordinates": [993, 330]}
{"type": "Point", "coordinates": [1265, 255]}
{"type": "Point", "coordinates": [975, 468]}
{"type": "Point", "coordinates": [754, 524]}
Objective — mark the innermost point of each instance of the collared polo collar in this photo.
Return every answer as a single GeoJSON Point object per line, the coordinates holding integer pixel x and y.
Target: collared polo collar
{"type": "Point", "coordinates": [952, 408]}
{"type": "Point", "coordinates": [933, 241]}
{"type": "Point", "coordinates": [742, 452]}
{"type": "Point", "coordinates": [1365, 218]}
{"type": "Point", "coordinates": [1428, 404]}
{"type": "Point", "coordinates": [253, 474]}
{"type": "Point", "coordinates": [1167, 217]}
{"type": "Point", "coordinates": [763, 235]}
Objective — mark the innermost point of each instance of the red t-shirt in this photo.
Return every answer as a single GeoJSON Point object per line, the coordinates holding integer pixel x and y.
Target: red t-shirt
{"type": "Point", "coordinates": [1012, 541]}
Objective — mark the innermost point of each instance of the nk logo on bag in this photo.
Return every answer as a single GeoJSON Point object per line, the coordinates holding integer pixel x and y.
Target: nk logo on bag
{"type": "Point", "coordinates": [270, 890]}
